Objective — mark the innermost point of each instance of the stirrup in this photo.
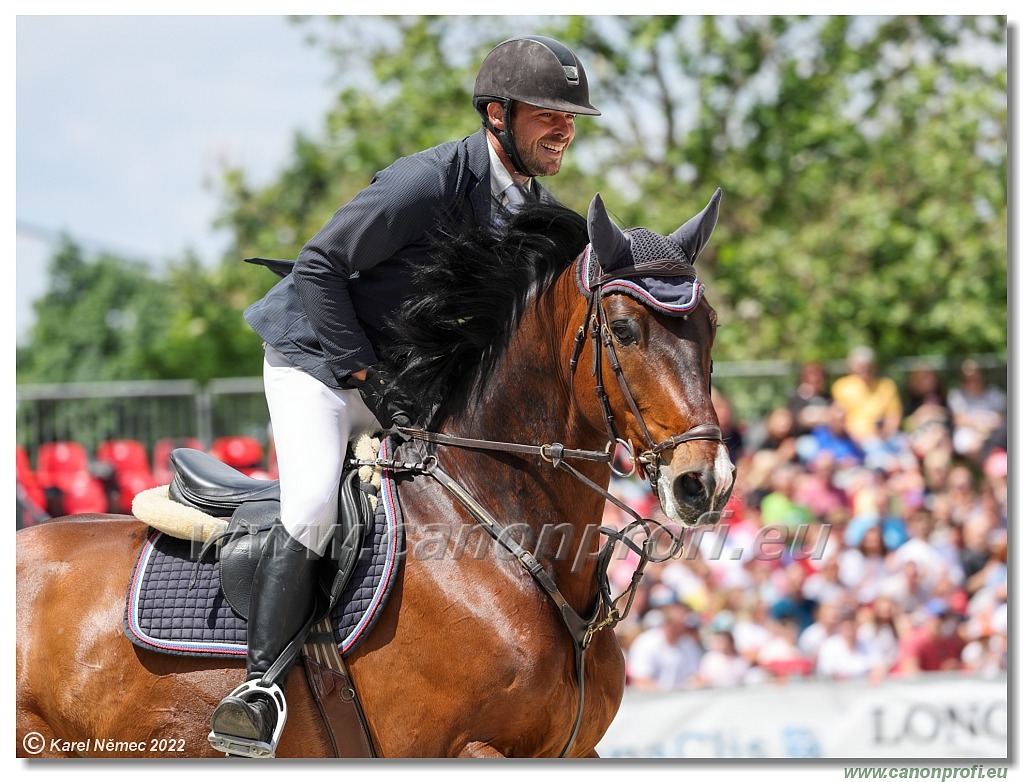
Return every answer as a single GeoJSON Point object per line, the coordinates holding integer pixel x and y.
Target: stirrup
{"type": "Point", "coordinates": [252, 748]}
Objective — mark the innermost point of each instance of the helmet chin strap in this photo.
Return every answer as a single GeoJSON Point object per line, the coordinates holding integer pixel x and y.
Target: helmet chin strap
{"type": "Point", "coordinates": [505, 138]}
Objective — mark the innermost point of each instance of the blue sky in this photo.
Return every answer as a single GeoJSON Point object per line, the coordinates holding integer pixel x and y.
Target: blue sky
{"type": "Point", "coordinates": [123, 121]}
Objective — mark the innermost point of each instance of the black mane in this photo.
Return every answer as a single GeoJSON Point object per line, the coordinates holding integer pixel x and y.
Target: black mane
{"type": "Point", "coordinates": [471, 296]}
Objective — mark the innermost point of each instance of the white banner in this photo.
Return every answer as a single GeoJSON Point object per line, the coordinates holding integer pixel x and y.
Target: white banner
{"type": "Point", "coordinates": [936, 716]}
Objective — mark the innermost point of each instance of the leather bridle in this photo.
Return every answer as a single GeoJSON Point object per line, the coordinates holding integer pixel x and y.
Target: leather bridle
{"type": "Point", "coordinates": [606, 612]}
{"type": "Point", "coordinates": [646, 462]}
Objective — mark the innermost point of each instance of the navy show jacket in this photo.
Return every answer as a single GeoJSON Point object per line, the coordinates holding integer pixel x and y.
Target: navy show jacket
{"type": "Point", "coordinates": [329, 316]}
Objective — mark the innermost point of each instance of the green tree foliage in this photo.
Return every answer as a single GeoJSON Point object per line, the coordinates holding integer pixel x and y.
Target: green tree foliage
{"type": "Point", "coordinates": [95, 322]}
{"type": "Point", "coordinates": [863, 162]}
{"type": "Point", "coordinates": [205, 337]}
{"type": "Point", "coordinates": [868, 182]}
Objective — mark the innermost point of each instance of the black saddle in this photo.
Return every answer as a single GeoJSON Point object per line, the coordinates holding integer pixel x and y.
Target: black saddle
{"type": "Point", "coordinates": [253, 506]}
{"type": "Point", "coordinates": [203, 482]}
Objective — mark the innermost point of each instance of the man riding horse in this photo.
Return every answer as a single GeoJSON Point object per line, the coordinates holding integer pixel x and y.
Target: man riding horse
{"type": "Point", "coordinates": [325, 327]}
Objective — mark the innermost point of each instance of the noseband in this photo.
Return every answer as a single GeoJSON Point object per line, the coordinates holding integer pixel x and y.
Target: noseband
{"type": "Point", "coordinates": [646, 462]}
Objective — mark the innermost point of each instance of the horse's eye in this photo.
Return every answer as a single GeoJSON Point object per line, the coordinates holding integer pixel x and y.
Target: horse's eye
{"type": "Point", "coordinates": [626, 331]}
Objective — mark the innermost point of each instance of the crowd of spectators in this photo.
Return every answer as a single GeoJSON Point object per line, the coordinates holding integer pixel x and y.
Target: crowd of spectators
{"type": "Point", "coordinates": [866, 538]}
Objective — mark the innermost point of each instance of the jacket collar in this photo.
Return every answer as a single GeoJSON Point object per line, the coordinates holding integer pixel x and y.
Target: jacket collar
{"type": "Point", "coordinates": [479, 164]}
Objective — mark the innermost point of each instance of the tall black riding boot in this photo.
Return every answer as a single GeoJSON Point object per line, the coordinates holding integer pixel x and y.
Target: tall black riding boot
{"type": "Point", "coordinates": [280, 607]}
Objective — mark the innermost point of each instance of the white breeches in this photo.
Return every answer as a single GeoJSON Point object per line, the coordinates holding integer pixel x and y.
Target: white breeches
{"type": "Point", "coordinates": [312, 425]}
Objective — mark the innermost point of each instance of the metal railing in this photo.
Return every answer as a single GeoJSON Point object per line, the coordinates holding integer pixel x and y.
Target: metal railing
{"type": "Point", "coordinates": [148, 411]}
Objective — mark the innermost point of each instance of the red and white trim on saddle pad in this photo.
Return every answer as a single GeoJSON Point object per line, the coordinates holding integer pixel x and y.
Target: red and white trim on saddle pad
{"type": "Point", "coordinates": [167, 612]}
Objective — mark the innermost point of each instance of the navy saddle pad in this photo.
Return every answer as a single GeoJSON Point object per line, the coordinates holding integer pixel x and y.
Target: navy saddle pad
{"type": "Point", "coordinates": [164, 614]}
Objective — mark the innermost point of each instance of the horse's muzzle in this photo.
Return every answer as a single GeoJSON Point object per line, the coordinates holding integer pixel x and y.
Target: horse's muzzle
{"type": "Point", "coordinates": [694, 493]}
{"type": "Point", "coordinates": [694, 489]}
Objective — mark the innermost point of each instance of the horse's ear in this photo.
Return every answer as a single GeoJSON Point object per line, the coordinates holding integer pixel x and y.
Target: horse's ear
{"type": "Point", "coordinates": [607, 241]}
{"type": "Point", "coordinates": [695, 233]}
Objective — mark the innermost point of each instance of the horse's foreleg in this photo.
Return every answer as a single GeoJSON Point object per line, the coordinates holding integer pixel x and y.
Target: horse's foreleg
{"type": "Point", "coordinates": [477, 749]}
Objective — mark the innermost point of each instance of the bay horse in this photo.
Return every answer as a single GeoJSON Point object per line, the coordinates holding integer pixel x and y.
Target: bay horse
{"type": "Point", "coordinates": [533, 359]}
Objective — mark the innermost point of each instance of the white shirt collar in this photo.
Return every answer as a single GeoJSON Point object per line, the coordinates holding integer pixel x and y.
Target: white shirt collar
{"type": "Point", "coordinates": [501, 180]}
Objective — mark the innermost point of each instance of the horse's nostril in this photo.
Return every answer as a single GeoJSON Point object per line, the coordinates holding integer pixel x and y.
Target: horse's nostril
{"type": "Point", "coordinates": [694, 488]}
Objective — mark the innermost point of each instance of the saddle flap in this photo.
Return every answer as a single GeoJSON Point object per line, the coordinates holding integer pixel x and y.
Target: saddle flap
{"type": "Point", "coordinates": [247, 532]}
{"type": "Point", "coordinates": [355, 516]}
{"type": "Point", "coordinates": [240, 553]}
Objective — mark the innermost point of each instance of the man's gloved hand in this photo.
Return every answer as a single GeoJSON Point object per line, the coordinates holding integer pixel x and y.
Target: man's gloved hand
{"type": "Point", "coordinates": [373, 391]}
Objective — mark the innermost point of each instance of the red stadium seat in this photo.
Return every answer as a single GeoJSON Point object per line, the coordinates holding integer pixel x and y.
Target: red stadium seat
{"type": "Point", "coordinates": [131, 469]}
{"type": "Point", "coordinates": [82, 493]}
{"type": "Point", "coordinates": [63, 471]}
{"type": "Point", "coordinates": [28, 483]}
{"type": "Point", "coordinates": [131, 483]}
{"type": "Point", "coordinates": [58, 460]}
{"type": "Point", "coordinates": [245, 454]}
{"type": "Point", "coordinates": [163, 473]}
{"type": "Point", "coordinates": [124, 455]}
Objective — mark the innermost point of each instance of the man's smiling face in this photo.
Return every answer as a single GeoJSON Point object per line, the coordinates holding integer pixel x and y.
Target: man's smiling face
{"type": "Point", "coordinates": [541, 137]}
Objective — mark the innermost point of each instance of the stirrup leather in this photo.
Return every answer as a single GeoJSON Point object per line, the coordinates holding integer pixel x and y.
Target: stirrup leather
{"type": "Point", "coordinates": [251, 748]}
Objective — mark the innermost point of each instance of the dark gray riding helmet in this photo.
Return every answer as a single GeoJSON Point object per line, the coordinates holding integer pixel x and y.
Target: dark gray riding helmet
{"type": "Point", "coordinates": [532, 69]}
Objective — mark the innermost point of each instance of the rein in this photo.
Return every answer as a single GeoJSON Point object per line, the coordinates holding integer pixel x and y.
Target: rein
{"type": "Point", "coordinates": [581, 630]}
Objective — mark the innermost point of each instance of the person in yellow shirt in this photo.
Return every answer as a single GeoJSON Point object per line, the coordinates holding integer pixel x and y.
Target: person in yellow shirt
{"type": "Point", "coordinates": [874, 410]}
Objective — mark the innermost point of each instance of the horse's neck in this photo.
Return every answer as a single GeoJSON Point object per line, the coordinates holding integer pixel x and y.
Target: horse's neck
{"type": "Point", "coordinates": [527, 400]}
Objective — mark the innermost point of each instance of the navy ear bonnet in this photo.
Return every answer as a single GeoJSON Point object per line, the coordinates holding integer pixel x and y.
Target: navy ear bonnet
{"type": "Point", "coordinates": [655, 270]}
{"type": "Point", "coordinates": [659, 275]}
